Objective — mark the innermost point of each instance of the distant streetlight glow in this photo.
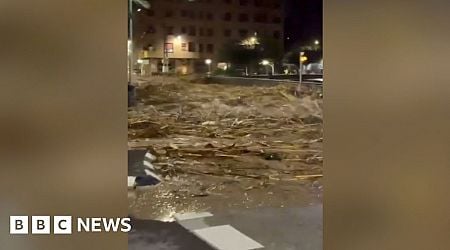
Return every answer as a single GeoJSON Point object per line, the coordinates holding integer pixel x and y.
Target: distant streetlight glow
{"type": "Point", "coordinates": [208, 62]}
{"type": "Point", "coordinates": [139, 10]}
{"type": "Point", "coordinates": [268, 63]}
{"type": "Point", "coordinates": [316, 42]}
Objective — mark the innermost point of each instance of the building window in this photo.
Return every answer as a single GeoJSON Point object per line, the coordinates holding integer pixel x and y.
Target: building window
{"type": "Point", "coordinates": [200, 48]}
{"type": "Point", "coordinates": [168, 47]}
{"type": "Point", "coordinates": [243, 33]}
{"type": "Point", "coordinates": [184, 47]}
{"type": "Point", "coordinates": [192, 14]}
{"type": "Point", "coordinates": [243, 17]}
{"type": "Point", "coordinates": [169, 13]}
{"type": "Point", "coordinates": [201, 32]}
{"type": "Point", "coordinates": [151, 29]}
{"type": "Point", "coordinates": [276, 34]}
{"type": "Point", "coordinates": [276, 20]}
{"type": "Point", "coordinates": [210, 48]}
{"type": "Point", "coordinates": [209, 16]}
{"type": "Point", "coordinates": [170, 30]}
{"type": "Point", "coordinates": [258, 3]}
{"type": "Point", "coordinates": [243, 2]}
{"type": "Point", "coordinates": [261, 18]}
{"type": "Point", "coordinates": [227, 16]}
{"type": "Point", "coordinates": [210, 32]}
{"type": "Point", "coordinates": [227, 1]}
{"type": "Point", "coordinates": [183, 30]}
{"type": "Point", "coordinates": [184, 13]}
{"type": "Point", "coordinates": [192, 31]}
{"type": "Point", "coordinates": [191, 47]}
{"type": "Point", "coordinates": [201, 15]}
{"type": "Point", "coordinates": [227, 33]}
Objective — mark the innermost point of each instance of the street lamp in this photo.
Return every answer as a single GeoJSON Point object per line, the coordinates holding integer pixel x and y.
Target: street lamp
{"type": "Point", "coordinates": [208, 62]}
{"type": "Point", "coordinates": [268, 63]}
{"type": "Point", "coordinates": [146, 5]}
{"type": "Point", "coordinates": [316, 42]}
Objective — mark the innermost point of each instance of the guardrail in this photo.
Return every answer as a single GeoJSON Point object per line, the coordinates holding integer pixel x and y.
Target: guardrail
{"type": "Point", "coordinates": [257, 81]}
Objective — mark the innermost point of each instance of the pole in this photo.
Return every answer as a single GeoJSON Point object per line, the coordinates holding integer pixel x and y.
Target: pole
{"type": "Point", "coordinates": [300, 69]}
{"type": "Point", "coordinates": [165, 68]}
{"type": "Point", "coordinates": [130, 39]}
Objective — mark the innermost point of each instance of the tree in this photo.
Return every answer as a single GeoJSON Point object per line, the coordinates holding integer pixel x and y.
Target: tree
{"type": "Point", "coordinates": [234, 53]}
{"type": "Point", "coordinates": [241, 54]}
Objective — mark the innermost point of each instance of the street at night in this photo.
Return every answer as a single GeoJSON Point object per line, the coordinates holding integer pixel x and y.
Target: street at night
{"type": "Point", "coordinates": [225, 127]}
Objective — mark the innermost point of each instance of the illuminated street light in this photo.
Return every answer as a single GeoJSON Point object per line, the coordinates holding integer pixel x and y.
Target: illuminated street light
{"type": "Point", "coordinates": [139, 10]}
{"type": "Point", "coordinates": [208, 62]}
{"type": "Point", "coordinates": [316, 42]}
{"type": "Point", "coordinates": [268, 63]}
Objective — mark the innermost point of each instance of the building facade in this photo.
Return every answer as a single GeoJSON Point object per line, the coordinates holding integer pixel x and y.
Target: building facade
{"type": "Point", "coordinates": [181, 35]}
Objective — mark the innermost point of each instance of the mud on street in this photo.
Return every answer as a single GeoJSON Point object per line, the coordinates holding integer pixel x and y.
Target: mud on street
{"type": "Point", "coordinates": [223, 147]}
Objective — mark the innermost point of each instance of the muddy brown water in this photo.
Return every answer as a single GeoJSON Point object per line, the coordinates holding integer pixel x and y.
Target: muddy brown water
{"type": "Point", "coordinates": [225, 147]}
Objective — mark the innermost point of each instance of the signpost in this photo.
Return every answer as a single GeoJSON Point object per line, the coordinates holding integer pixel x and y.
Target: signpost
{"type": "Point", "coordinates": [300, 69]}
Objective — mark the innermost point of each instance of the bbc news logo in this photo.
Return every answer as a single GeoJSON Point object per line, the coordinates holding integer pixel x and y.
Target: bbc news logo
{"type": "Point", "coordinates": [63, 225]}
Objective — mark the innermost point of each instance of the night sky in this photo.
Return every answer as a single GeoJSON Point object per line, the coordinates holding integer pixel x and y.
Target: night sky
{"type": "Point", "coordinates": [303, 23]}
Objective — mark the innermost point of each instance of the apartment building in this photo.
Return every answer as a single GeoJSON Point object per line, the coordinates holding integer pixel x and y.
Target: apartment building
{"type": "Point", "coordinates": [180, 35]}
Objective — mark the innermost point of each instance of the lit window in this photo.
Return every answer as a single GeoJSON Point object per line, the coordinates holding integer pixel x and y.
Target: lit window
{"type": "Point", "coordinates": [168, 47]}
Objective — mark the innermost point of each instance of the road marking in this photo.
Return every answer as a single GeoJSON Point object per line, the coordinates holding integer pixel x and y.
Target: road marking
{"type": "Point", "coordinates": [190, 216]}
{"type": "Point", "coordinates": [131, 181]}
{"type": "Point", "coordinates": [149, 165]}
{"type": "Point", "coordinates": [226, 238]}
{"type": "Point", "coordinates": [223, 237]}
